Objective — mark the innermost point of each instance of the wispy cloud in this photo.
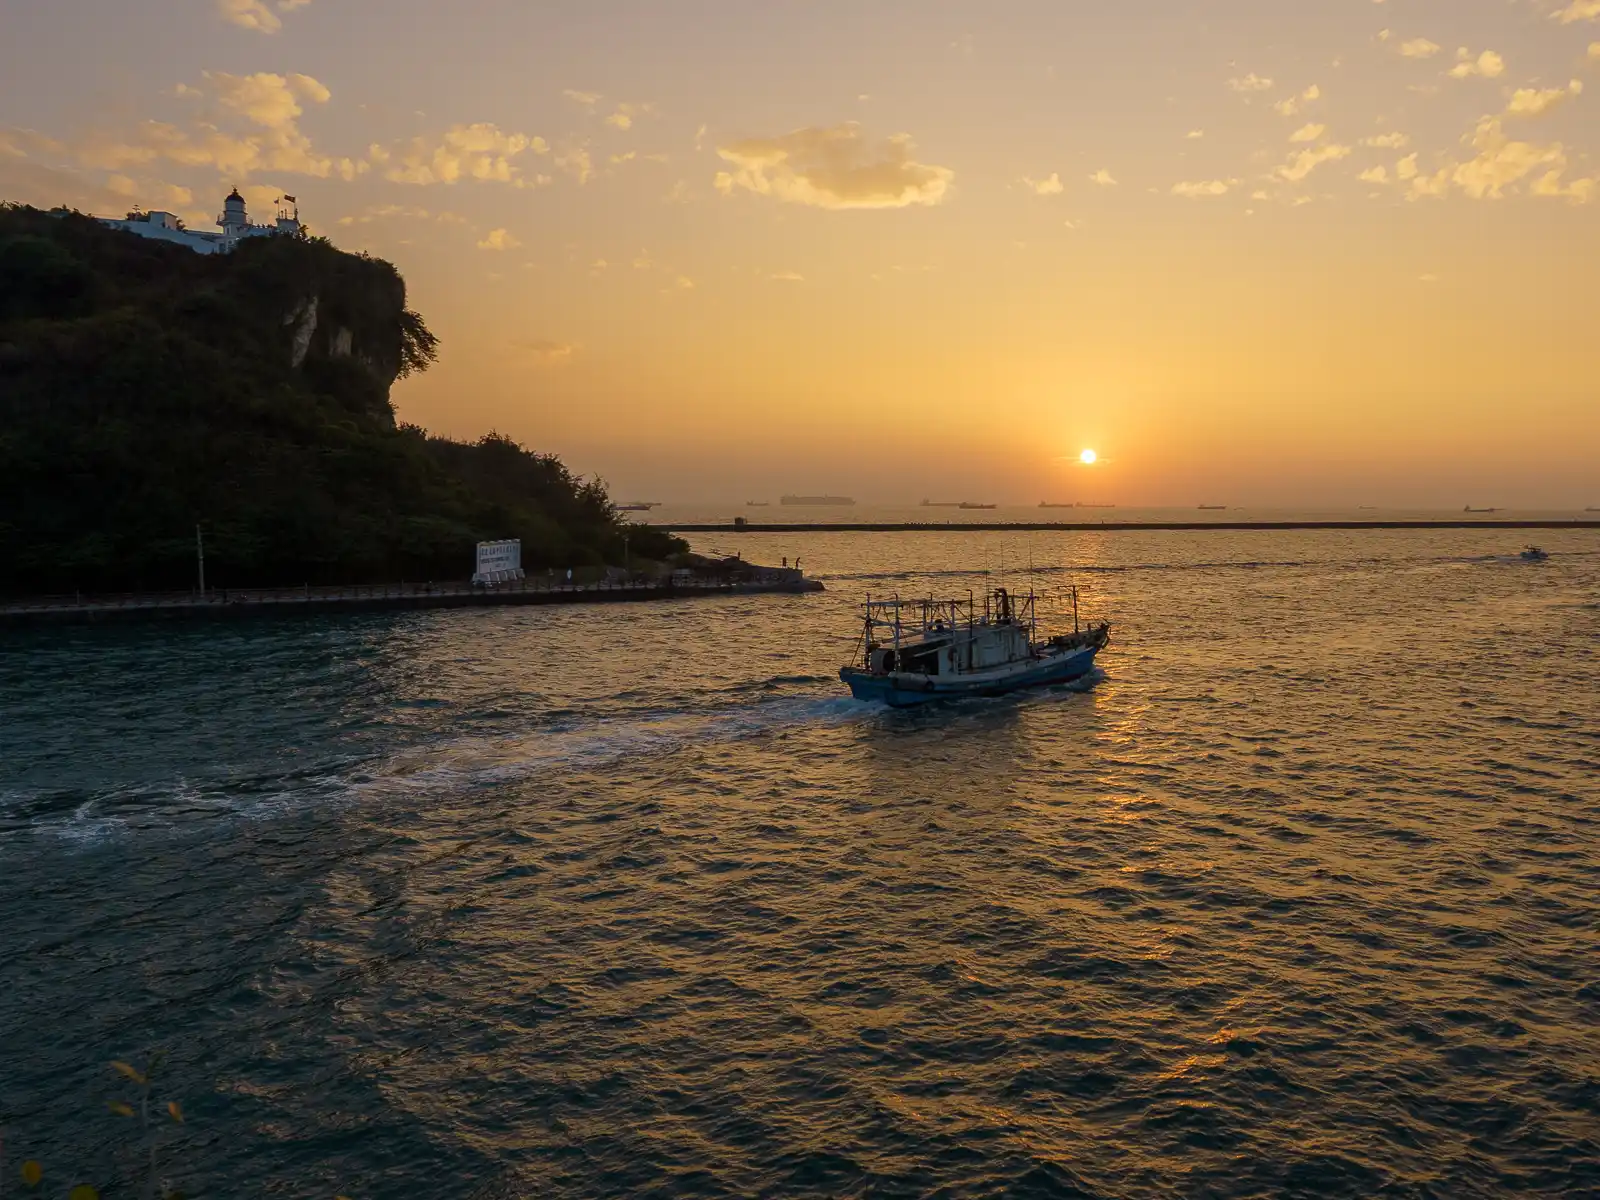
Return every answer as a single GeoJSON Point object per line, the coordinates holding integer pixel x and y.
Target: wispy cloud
{"type": "Point", "coordinates": [1251, 83]}
{"type": "Point", "coordinates": [482, 152]}
{"type": "Point", "coordinates": [1488, 64]}
{"type": "Point", "coordinates": [833, 167]}
{"type": "Point", "coordinates": [1049, 186]}
{"type": "Point", "coordinates": [1307, 161]}
{"type": "Point", "coordinates": [1419, 48]}
{"type": "Point", "coordinates": [548, 352]}
{"type": "Point", "coordinates": [256, 14]}
{"type": "Point", "coordinates": [1204, 188]}
{"type": "Point", "coordinates": [1533, 102]}
{"type": "Point", "coordinates": [1308, 133]}
{"type": "Point", "coordinates": [1103, 177]}
{"type": "Point", "coordinates": [1290, 106]}
{"type": "Point", "coordinates": [499, 239]}
{"type": "Point", "coordinates": [1579, 10]}
{"type": "Point", "coordinates": [248, 124]}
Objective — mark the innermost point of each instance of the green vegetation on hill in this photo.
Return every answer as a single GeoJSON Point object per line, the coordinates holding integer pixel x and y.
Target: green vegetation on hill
{"type": "Point", "coordinates": [145, 389]}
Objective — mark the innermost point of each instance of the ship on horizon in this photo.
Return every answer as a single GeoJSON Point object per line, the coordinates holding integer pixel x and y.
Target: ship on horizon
{"type": "Point", "coordinates": [1075, 504]}
{"type": "Point", "coordinates": [639, 506]}
{"type": "Point", "coordinates": [816, 501]}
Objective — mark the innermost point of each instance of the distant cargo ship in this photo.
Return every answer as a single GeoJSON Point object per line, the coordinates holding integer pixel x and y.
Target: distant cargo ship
{"type": "Point", "coordinates": [941, 504]}
{"type": "Point", "coordinates": [639, 506]}
{"type": "Point", "coordinates": [817, 501]}
{"type": "Point", "coordinates": [1213, 508]}
{"type": "Point", "coordinates": [970, 504]}
{"type": "Point", "coordinates": [1470, 509]}
{"type": "Point", "coordinates": [1078, 504]}
{"type": "Point", "coordinates": [758, 504]}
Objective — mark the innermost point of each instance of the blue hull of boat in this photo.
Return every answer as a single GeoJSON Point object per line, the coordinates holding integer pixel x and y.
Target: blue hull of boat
{"type": "Point", "coordinates": [895, 692]}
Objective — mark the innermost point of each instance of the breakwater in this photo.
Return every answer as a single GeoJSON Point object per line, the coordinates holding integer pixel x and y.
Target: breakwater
{"type": "Point", "coordinates": [1107, 526]}
{"type": "Point", "coordinates": [246, 602]}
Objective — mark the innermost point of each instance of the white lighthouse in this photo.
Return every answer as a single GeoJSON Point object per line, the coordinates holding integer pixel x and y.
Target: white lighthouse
{"type": "Point", "coordinates": [233, 219]}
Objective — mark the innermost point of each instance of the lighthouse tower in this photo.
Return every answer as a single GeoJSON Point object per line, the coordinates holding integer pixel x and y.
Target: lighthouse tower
{"type": "Point", "coordinates": [234, 222]}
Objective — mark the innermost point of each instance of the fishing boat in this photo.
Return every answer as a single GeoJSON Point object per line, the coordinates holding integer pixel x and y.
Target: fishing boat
{"type": "Point", "coordinates": [915, 651]}
{"type": "Point", "coordinates": [1534, 554]}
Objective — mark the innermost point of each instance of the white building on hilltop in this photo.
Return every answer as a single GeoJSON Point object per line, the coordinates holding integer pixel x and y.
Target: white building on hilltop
{"type": "Point", "coordinates": [234, 223]}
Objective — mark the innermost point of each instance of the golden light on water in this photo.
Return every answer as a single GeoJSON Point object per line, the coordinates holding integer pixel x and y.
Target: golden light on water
{"type": "Point", "coordinates": [1088, 458]}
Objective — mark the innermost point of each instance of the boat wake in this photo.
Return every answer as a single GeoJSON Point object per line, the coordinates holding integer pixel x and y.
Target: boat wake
{"type": "Point", "coordinates": [442, 766]}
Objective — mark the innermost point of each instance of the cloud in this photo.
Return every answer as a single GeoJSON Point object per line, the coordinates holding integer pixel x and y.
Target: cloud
{"type": "Point", "coordinates": [1307, 161]}
{"type": "Point", "coordinates": [1533, 102]}
{"type": "Point", "coordinates": [1387, 141]}
{"type": "Point", "coordinates": [1419, 48]}
{"type": "Point", "coordinates": [1292, 105]}
{"type": "Point", "coordinates": [678, 193]}
{"type": "Point", "coordinates": [1579, 10]}
{"type": "Point", "coordinates": [1377, 174]}
{"type": "Point", "coordinates": [499, 239]}
{"type": "Point", "coordinates": [1551, 184]}
{"type": "Point", "coordinates": [587, 99]}
{"type": "Point", "coordinates": [575, 161]}
{"type": "Point", "coordinates": [481, 151]}
{"type": "Point", "coordinates": [833, 167]}
{"type": "Point", "coordinates": [163, 197]}
{"type": "Point", "coordinates": [1210, 187]}
{"type": "Point", "coordinates": [267, 105]}
{"type": "Point", "coordinates": [1045, 187]}
{"type": "Point", "coordinates": [256, 14]}
{"type": "Point", "coordinates": [1251, 83]}
{"type": "Point", "coordinates": [1594, 51]}
{"type": "Point", "coordinates": [1308, 133]}
{"type": "Point", "coordinates": [1103, 177]}
{"type": "Point", "coordinates": [1195, 134]}
{"type": "Point", "coordinates": [1500, 164]}
{"type": "Point", "coordinates": [622, 116]}
{"type": "Point", "coordinates": [788, 277]}
{"type": "Point", "coordinates": [1488, 64]}
{"type": "Point", "coordinates": [548, 352]}
{"type": "Point", "coordinates": [271, 101]}
{"type": "Point", "coordinates": [406, 212]}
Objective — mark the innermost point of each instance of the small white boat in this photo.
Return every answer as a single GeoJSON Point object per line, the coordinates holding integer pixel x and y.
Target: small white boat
{"type": "Point", "coordinates": [1534, 554]}
{"type": "Point", "coordinates": [915, 651]}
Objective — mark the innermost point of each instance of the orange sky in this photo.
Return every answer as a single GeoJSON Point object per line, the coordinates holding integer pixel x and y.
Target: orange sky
{"type": "Point", "coordinates": [1249, 252]}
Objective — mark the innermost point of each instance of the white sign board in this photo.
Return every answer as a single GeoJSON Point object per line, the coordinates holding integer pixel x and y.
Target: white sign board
{"type": "Point", "coordinates": [498, 561]}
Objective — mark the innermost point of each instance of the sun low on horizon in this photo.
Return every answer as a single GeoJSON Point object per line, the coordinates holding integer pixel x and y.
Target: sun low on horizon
{"type": "Point", "coordinates": [1287, 254]}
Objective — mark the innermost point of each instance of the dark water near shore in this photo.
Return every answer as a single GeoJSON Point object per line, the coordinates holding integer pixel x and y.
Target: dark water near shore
{"type": "Point", "coordinates": [1299, 898]}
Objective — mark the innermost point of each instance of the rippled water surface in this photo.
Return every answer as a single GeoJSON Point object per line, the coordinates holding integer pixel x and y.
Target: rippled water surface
{"type": "Point", "coordinates": [1297, 898]}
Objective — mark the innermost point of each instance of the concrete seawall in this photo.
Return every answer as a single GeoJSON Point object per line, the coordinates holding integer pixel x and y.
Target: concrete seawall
{"type": "Point", "coordinates": [1109, 526]}
{"type": "Point", "coordinates": [250, 602]}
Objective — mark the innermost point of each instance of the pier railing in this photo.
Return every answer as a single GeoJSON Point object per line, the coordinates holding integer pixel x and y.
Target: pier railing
{"type": "Point", "coordinates": [426, 594]}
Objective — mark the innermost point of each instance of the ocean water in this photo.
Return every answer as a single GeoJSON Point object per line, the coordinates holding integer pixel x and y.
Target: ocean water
{"type": "Point", "coordinates": [1299, 895]}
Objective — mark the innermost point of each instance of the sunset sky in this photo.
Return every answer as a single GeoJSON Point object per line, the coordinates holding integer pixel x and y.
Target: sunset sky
{"type": "Point", "coordinates": [1329, 252]}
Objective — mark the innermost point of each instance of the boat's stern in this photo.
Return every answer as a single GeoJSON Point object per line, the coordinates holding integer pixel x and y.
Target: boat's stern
{"type": "Point", "coordinates": [881, 689]}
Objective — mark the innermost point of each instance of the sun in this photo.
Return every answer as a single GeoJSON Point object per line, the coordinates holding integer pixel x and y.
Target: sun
{"type": "Point", "coordinates": [1088, 458]}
